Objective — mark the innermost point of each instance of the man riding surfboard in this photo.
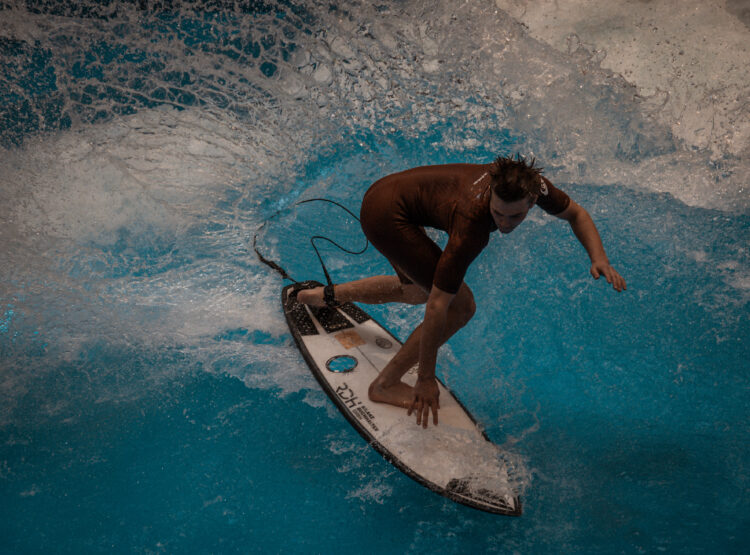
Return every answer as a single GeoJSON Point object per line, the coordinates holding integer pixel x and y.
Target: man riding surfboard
{"type": "Point", "coordinates": [469, 202]}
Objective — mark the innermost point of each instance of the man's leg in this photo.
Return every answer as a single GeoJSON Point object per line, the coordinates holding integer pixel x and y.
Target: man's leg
{"type": "Point", "coordinates": [388, 387]}
{"type": "Point", "coordinates": [371, 290]}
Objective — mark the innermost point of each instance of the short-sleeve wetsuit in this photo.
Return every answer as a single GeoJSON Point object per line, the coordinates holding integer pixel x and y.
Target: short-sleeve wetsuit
{"type": "Point", "coordinates": [397, 207]}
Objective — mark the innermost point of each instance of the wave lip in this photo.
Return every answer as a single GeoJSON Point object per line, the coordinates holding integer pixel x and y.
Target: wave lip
{"type": "Point", "coordinates": [689, 60]}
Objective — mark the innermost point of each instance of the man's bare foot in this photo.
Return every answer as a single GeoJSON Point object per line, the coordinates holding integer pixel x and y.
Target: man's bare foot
{"type": "Point", "coordinates": [399, 394]}
{"type": "Point", "coordinates": [313, 297]}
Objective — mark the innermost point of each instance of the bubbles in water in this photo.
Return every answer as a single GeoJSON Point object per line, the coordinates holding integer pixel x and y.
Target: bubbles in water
{"type": "Point", "coordinates": [374, 489]}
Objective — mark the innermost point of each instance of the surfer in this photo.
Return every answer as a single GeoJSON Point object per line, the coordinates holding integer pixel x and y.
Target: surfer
{"type": "Point", "coordinates": [469, 202]}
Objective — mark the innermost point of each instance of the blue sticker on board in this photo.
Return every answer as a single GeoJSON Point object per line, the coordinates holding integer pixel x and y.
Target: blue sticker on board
{"type": "Point", "coordinates": [341, 363]}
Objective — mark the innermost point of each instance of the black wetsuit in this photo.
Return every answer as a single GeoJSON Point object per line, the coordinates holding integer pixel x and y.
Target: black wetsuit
{"type": "Point", "coordinates": [397, 207]}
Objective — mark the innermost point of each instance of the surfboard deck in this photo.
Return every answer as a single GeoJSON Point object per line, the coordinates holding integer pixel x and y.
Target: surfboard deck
{"type": "Point", "coordinates": [345, 349]}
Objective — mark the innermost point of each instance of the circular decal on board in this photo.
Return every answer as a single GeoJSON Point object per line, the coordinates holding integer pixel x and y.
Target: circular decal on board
{"type": "Point", "coordinates": [383, 343]}
{"type": "Point", "coordinates": [341, 363]}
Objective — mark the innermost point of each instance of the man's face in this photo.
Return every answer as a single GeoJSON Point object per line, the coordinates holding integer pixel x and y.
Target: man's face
{"type": "Point", "coordinates": [508, 215]}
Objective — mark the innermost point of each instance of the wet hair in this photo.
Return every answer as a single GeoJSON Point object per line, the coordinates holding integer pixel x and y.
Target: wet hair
{"type": "Point", "coordinates": [515, 179]}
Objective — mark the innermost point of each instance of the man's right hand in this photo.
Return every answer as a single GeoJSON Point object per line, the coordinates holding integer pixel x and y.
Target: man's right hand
{"type": "Point", "coordinates": [312, 297]}
{"type": "Point", "coordinates": [426, 397]}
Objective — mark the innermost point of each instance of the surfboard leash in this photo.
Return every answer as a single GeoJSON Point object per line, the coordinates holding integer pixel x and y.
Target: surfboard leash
{"type": "Point", "coordinates": [284, 274]}
{"type": "Point", "coordinates": [270, 263]}
{"type": "Point", "coordinates": [334, 243]}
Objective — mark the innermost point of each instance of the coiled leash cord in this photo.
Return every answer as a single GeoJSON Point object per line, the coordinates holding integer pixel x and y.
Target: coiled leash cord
{"type": "Point", "coordinates": [328, 290]}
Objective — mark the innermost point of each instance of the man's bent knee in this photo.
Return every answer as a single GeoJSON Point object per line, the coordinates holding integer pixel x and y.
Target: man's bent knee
{"type": "Point", "coordinates": [463, 306]}
{"type": "Point", "coordinates": [413, 293]}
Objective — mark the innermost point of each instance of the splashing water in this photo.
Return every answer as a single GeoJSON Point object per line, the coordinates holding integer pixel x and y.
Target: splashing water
{"type": "Point", "coordinates": [148, 380]}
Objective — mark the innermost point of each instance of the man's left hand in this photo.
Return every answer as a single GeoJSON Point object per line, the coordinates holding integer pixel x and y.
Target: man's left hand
{"type": "Point", "coordinates": [611, 275]}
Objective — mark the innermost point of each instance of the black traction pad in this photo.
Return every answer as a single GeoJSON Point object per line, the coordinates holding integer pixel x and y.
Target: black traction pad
{"type": "Point", "coordinates": [301, 318]}
{"type": "Point", "coordinates": [354, 312]}
{"type": "Point", "coordinates": [330, 318]}
{"type": "Point", "coordinates": [298, 314]}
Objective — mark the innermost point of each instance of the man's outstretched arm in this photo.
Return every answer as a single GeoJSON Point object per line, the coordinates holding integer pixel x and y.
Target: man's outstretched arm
{"type": "Point", "coordinates": [585, 230]}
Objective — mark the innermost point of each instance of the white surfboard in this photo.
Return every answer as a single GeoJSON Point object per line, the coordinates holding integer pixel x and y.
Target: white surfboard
{"type": "Point", "coordinates": [346, 349]}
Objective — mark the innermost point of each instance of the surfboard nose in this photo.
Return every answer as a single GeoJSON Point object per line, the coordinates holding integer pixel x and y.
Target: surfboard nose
{"type": "Point", "coordinates": [472, 491]}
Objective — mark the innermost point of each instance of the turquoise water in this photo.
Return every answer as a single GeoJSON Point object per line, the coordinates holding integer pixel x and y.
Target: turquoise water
{"type": "Point", "coordinates": [153, 400]}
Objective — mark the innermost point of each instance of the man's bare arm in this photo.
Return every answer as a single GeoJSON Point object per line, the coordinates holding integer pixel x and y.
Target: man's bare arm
{"type": "Point", "coordinates": [585, 230]}
{"type": "Point", "coordinates": [426, 392]}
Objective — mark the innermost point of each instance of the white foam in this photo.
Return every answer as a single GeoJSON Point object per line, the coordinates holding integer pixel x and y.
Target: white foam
{"type": "Point", "coordinates": [408, 68]}
{"type": "Point", "coordinates": [500, 471]}
{"type": "Point", "coordinates": [690, 58]}
{"type": "Point", "coordinates": [157, 170]}
{"type": "Point", "coordinates": [81, 203]}
{"type": "Point", "coordinates": [377, 489]}
{"type": "Point", "coordinates": [583, 122]}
